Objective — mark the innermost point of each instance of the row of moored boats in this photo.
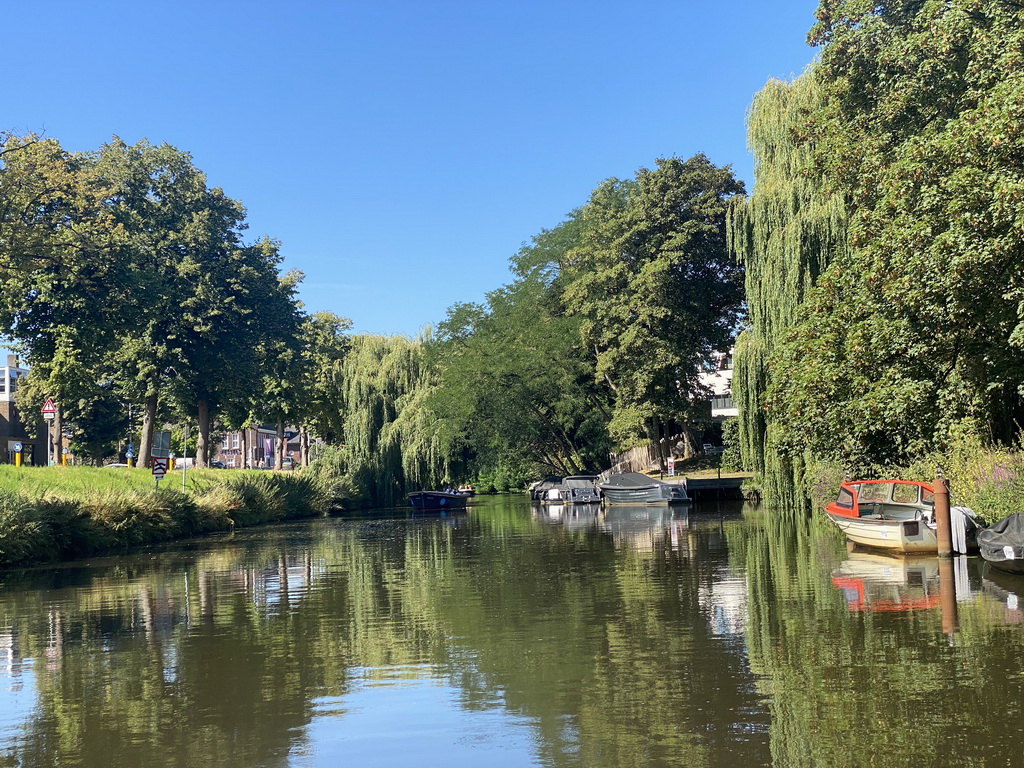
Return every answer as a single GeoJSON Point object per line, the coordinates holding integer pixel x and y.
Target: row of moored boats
{"type": "Point", "coordinates": [611, 488]}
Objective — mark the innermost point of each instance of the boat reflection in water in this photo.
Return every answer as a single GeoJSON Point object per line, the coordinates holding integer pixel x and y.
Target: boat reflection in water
{"type": "Point", "coordinates": [580, 517]}
{"type": "Point", "coordinates": [575, 517]}
{"type": "Point", "coordinates": [549, 513]}
{"type": "Point", "coordinates": [876, 582]}
{"type": "Point", "coordinates": [1007, 589]}
{"type": "Point", "coordinates": [638, 526]}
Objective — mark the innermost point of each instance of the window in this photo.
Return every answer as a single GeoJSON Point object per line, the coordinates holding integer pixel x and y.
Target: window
{"type": "Point", "coordinates": [876, 493]}
{"type": "Point", "coordinates": [903, 493]}
{"type": "Point", "coordinates": [224, 443]}
{"type": "Point", "coordinates": [721, 402]}
{"type": "Point", "coordinates": [234, 439]}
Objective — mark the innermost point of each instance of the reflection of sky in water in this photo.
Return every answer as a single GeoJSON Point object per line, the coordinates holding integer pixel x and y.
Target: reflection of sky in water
{"type": "Point", "coordinates": [405, 716]}
{"type": "Point", "coordinates": [17, 693]}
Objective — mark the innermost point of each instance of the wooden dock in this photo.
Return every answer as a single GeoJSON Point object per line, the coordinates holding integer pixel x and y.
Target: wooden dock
{"type": "Point", "coordinates": [707, 488]}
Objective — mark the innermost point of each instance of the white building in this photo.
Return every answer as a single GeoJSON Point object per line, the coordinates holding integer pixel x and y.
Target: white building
{"type": "Point", "coordinates": [719, 381]}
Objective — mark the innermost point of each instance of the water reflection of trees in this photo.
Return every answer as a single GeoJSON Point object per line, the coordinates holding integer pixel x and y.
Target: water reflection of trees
{"type": "Point", "coordinates": [218, 656]}
{"type": "Point", "coordinates": [877, 683]}
{"type": "Point", "coordinates": [705, 638]}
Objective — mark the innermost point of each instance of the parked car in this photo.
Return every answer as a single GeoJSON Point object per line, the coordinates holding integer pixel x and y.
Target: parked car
{"type": "Point", "coordinates": [218, 465]}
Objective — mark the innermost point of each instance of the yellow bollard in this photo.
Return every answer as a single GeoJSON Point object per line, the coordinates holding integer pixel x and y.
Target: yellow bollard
{"type": "Point", "coordinates": [17, 458]}
{"type": "Point", "coordinates": [129, 460]}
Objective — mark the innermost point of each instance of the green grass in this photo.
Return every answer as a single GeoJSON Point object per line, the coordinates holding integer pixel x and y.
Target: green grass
{"type": "Point", "coordinates": [49, 513]}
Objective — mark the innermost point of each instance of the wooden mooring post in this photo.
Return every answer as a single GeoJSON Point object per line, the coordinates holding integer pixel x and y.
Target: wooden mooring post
{"type": "Point", "coordinates": [947, 596]}
{"type": "Point", "coordinates": [943, 526]}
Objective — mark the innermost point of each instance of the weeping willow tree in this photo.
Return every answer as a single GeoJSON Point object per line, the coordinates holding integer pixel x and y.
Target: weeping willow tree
{"type": "Point", "coordinates": [392, 442]}
{"type": "Point", "coordinates": [785, 233]}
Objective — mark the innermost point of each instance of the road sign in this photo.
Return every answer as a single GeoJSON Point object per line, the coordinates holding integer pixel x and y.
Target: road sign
{"type": "Point", "coordinates": [161, 444]}
{"type": "Point", "coordinates": [129, 454]}
{"type": "Point", "coordinates": [159, 467]}
{"type": "Point", "coordinates": [17, 447]}
{"type": "Point", "coordinates": [49, 410]}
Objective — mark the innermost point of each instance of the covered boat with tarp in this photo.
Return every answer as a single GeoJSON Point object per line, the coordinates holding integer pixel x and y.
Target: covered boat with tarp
{"type": "Point", "coordinates": [636, 488]}
{"type": "Point", "coordinates": [580, 489]}
{"type": "Point", "coordinates": [574, 489]}
{"type": "Point", "coordinates": [1002, 544]}
{"type": "Point", "coordinates": [547, 490]}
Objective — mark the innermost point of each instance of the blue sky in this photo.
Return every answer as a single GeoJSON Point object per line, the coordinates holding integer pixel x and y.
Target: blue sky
{"type": "Point", "coordinates": [403, 150]}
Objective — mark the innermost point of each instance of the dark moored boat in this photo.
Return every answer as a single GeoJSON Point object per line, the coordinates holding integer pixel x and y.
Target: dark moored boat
{"type": "Point", "coordinates": [547, 490]}
{"type": "Point", "coordinates": [438, 499]}
{"type": "Point", "coordinates": [574, 489]}
{"type": "Point", "coordinates": [580, 489]}
{"type": "Point", "coordinates": [635, 488]}
{"type": "Point", "coordinates": [1002, 544]}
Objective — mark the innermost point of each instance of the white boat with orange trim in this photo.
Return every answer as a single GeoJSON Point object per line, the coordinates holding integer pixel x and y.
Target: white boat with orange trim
{"type": "Point", "coordinates": [898, 516]}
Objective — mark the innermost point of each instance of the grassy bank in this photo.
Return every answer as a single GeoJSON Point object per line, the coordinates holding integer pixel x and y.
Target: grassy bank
{"type": "Point", "coordinates": [58, 513]}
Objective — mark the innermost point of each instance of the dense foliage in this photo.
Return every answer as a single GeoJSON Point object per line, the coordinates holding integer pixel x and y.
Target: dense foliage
{"type": "Point", "coordinates": [599, 342]}
{"type": "Point", "coordinates": [125, 280]}
{"type": "Point", "coordinates": [885, 228]}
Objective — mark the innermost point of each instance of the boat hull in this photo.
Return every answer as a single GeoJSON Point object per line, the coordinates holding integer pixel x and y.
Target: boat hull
{"type": "Point", "coordinates": [1005, 564]}
{"type": "Point", "coordinates": [658, 494]}
{"type": "Point", "coordinates": [437, 500]}
{"type": "Point", "coordinates": [903, 536]}
{"type": "Point", "coordinates": [653, 495]}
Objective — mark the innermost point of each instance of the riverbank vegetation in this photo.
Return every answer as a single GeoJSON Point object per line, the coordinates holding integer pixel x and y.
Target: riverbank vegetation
{"type": "Point", "coordinates": [883, 246]}
{"type": "Point", "coordinates": [56, 513]}
{"type": "Point", "coordinates": [871, 282]}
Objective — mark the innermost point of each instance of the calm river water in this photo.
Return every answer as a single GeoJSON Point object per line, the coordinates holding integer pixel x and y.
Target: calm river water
{"type": "Point", "coordinates": [511, 636]}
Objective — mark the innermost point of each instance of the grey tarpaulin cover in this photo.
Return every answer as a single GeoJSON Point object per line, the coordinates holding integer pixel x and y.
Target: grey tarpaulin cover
{"type": "Point", "coordinates": [631, 480]}
{"type": "Point", "coordinates": [1003, 542]}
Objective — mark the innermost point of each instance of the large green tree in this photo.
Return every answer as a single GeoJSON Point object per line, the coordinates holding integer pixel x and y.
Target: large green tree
{"type": "Point", "coordinates": [212, 321]}
{"type": "Point", "coordinates": [516, 384]}
{"type": "Point", "coordinates": [913, 335]}
{"type": "Point", "coordinates": [391, 442]}
{"type": "Point", "coordinates": [325, 342]}
{"type": "Point", "coordinates": [57, 274]}
{"type": "Point", "coordinates": [785, 233]}
{"type": "Point", "coordinates": [656, 290]}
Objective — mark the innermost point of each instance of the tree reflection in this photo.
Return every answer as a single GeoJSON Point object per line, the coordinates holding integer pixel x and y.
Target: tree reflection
{"type": "Point", "coordinates": [700, 639]}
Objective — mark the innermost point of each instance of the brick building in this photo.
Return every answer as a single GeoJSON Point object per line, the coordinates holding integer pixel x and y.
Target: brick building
{"type": "Point", "coordinates": [12, 427]}
{"type": "Point", "coordinates": [254, 447]}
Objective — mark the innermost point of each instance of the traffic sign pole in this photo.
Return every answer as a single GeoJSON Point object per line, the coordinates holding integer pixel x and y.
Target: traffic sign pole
{"type": "Point", "coordinates": [159, 469]}
{"type": "Point", "coordinates": [49, 411]}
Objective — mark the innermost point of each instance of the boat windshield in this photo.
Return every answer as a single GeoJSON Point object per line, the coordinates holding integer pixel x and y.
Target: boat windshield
{"type": "Point", "coordinates": [906, 494]}
{"type": "Point", "coordinates": [893, 493]}
{"type": "Point", "coordinates": [874, 492]}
